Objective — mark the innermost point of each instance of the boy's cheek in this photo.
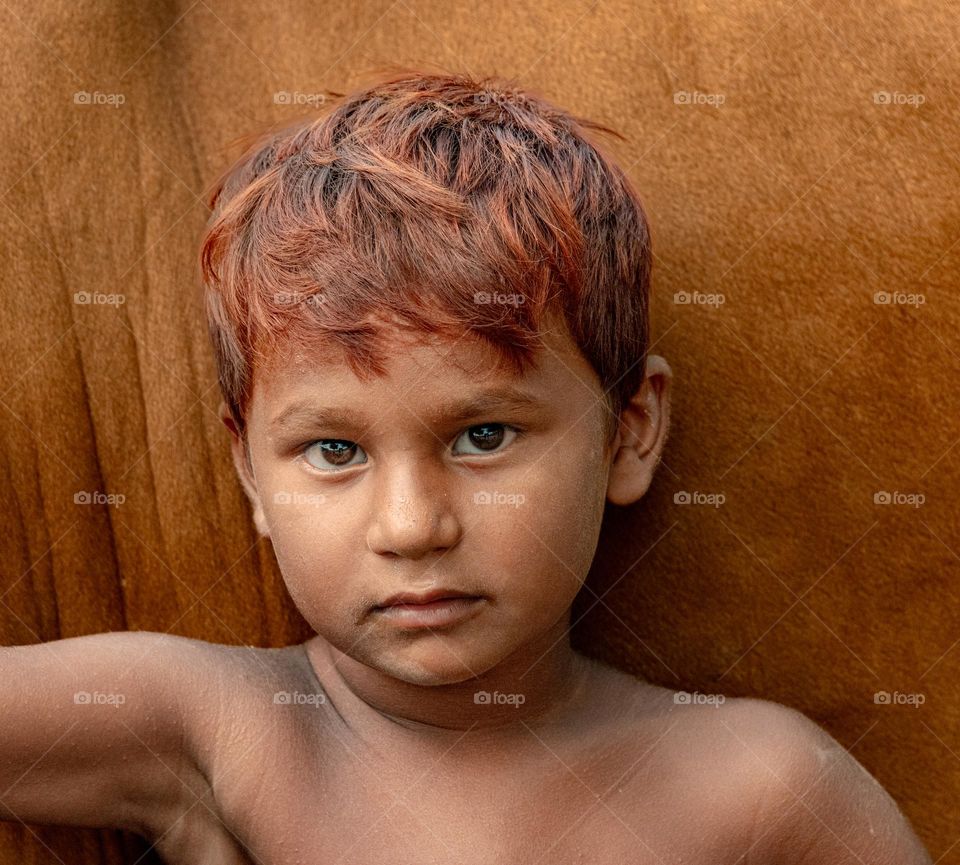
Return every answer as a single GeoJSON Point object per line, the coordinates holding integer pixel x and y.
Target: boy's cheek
{"type": "Point", "coordinates": [321, 591]}
{"type": "Point", "coordinates": [564, 510]}
{"type": "Point", "coordinates": [308, 539]}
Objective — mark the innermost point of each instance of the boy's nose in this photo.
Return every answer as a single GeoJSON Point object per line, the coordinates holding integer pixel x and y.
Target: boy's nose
{"type": "Point", "coordinates": [412, 515]}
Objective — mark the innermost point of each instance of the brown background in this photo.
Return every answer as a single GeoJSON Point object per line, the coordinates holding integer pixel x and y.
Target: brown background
{"type": "Point", "coordinates": [797, 399]}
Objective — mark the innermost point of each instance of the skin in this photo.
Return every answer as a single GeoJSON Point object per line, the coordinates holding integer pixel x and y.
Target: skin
{"type": "Point", "coordinates": [383, 754]}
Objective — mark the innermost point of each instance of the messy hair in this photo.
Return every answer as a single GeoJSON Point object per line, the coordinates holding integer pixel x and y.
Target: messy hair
{"type": "Point", "coordinates": [437, 204]}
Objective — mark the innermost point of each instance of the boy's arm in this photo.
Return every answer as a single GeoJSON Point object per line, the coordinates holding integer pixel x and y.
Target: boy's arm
{"type": "Point", "coordinates": [821, 806]}
{"type": "Point", "coordinates": [93, 730]}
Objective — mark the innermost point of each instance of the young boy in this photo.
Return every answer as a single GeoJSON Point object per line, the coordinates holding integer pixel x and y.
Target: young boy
{"type": "Point", "coordinates": [429, 311]}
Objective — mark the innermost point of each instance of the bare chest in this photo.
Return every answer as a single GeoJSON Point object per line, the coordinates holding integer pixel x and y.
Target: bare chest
{"type": "Point", "coordinates": [346, 805]}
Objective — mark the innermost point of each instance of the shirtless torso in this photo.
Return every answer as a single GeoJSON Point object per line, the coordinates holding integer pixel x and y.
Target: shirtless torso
{"type": "Point", "coordinates": [327, 780]}
{"type": "Point", "coordinates": [222, 755]}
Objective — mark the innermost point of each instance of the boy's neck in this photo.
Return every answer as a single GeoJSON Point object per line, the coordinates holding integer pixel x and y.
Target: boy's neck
{"type": "Point", "coordinates": [547, 675]}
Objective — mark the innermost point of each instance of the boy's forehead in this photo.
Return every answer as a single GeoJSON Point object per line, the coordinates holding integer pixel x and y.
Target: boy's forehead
{"type": "Point", "coordinates": [425, 370]}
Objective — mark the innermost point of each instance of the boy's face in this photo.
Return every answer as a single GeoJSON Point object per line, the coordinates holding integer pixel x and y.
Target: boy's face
{"type": "Point", "coordinates": [407, 495]}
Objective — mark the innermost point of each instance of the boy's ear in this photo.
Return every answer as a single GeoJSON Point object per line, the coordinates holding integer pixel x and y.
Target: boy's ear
{"type": "Point", "coordinates": [641, 435]}
{"type": "Point", "coordinates": [241, 461]}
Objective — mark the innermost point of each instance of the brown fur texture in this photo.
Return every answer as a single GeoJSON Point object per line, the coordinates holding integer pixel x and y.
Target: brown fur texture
{"type": "Point", "coordinates": [787, 162]}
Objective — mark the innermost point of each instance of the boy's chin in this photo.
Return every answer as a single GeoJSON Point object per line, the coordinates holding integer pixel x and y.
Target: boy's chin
{"type": "Point", "coordinates": [435, 665]}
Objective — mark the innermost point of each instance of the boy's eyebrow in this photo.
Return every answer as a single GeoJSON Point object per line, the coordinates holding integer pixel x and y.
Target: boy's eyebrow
{"type": "Point", "coordinates": [308, 412]}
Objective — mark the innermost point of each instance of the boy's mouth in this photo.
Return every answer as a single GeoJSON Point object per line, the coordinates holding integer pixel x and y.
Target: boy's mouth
{"type": "Point", "coordinates": [433, 609]}
{"type": "Point", "coordinates": [422, 598]}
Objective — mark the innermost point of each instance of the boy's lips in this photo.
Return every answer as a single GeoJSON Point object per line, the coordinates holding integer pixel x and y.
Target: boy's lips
{"type": "Point", "coordinates": [421, 598]}
{"type": "Point", "coordinates": [433, 609]}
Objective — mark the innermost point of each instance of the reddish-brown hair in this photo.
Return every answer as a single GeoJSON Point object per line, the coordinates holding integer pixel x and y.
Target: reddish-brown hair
{"type": "Point", "coordinates": [434, 203]}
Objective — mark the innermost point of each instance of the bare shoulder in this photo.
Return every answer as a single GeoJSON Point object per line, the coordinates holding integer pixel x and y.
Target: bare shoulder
{"type": "Point", "coordinates": [765, 775]}
{"type": "Point", "coordinates": [787, 786]}
{"type": "Point", "coordinates": [237, 697]}
{"type": "Point", "coordinates": [710, 742]}
{"type": "Point", "coordinates": [223, 698]}
{"type": "Point", "coordinates": [223, 690]}
{"type": "Point", "coordinates": [819, 803]}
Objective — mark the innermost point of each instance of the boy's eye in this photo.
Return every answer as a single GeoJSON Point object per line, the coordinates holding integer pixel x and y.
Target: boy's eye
{"type": "Point", "coordinates": [331, 454]}
{"type": "Point", "coordinates": [486, 437]}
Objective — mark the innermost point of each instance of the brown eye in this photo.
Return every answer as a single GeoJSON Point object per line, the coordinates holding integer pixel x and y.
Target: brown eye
{"type": "Point", "coordinates": [485, 437]}
{"type": "Point", "coordinates": [327, 453]}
